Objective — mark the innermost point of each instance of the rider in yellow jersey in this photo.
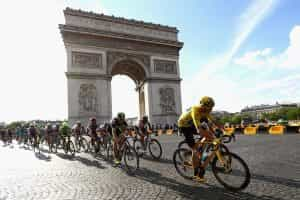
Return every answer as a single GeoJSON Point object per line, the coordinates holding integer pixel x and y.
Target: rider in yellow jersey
{"type": "Point", "coordinates": [189, 123]}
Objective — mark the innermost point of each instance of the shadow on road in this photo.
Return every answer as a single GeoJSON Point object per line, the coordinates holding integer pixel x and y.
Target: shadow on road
{"type": "Point", "coordinates": [89, 163]}
{"type": "Point", "coordinates": [42, 156]}
{"type": "Point", "coordinates": [195, 192]}
{"type": "Point", "coordinates": [161, 160]}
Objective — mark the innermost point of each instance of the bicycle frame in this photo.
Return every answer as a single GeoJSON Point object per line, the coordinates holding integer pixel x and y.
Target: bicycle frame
{"type": "Point", "coordinates": [214, 152]}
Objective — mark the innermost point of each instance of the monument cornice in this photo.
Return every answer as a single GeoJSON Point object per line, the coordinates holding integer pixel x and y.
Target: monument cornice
{"type": "Point", "coordinates": [81, 13]}
{"type": "Point", "coordinates": [89, 31]}
{"type": "Point", "coordinates": [81, 75]}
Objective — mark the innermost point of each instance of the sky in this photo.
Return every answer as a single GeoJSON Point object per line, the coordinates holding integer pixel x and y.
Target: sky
{"type": "Point", "coordinates": [241, 53]}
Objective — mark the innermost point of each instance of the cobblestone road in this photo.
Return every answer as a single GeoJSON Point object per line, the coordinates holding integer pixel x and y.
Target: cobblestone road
{"type": "Point", "coordinates": [274, 162]}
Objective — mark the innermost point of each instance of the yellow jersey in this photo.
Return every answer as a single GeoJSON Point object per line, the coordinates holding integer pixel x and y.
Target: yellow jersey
{"type": "Point", "coordinates": [193, 117]}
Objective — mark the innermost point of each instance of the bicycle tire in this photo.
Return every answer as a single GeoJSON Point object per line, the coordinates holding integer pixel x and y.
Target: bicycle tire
{"type": "Point", "coordinates": [129, 153]}
{"type": "Point", "coordinates": [109, 151]}
{"type": "Point", "coordinates": [71, 148]}
{"type": "Point", "coordinates": [84, 144]}
{"type": "Point", "coordinates": [180, 163]}
{"type": "Point", "coordinates": [153, 141]}
{"type": "Point", "coordinates": [216, 170]}
{"type": "Point", "coordinates": [138, 146]}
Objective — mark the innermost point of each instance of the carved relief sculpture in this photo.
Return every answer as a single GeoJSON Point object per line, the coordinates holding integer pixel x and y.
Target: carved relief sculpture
{"type": "Point", "coordinates": [167, 100]}
{"type": "Point", "coordinates": [80, 59]}
{"type": "Point", "coordinates": [88, 98]}
{"type": "Point", "coordinates": [165, 66]}
{"type": "Point", "coordinates": [113, 56]}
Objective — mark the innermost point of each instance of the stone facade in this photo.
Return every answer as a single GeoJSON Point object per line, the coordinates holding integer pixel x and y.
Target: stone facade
{"type": "Point", "coordinates": [100, 46]}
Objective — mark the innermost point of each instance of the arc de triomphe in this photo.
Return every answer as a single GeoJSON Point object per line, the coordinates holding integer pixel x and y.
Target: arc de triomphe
{"type": "Point", "coordinates": [100, 46]}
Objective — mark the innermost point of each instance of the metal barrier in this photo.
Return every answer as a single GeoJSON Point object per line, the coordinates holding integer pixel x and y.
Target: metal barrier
{"type": "Point", "coordinates": [276, 130]}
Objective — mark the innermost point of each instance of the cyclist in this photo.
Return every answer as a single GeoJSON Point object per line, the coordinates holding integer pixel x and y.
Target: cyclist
{"type": "Point", "coordinates": [64, 131]}
{"type": "Point", "coordinates": [49, 134]}
{"type": "Point", "coordinates": [144, 128]}
{"type": "Point", "coordinates": [118, 126]}
{"type": "Point", "coordinates": [78, 129]}
{"type": "Point", "coordinates": [190, 123]}
{"type": "Point", "coordinates": [92, 132]}
{"type": "Point", "coordinates": [33, 133]}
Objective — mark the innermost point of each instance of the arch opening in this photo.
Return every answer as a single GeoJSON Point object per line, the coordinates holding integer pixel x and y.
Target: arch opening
{"type": "Point", "coordinates": [133, 96]}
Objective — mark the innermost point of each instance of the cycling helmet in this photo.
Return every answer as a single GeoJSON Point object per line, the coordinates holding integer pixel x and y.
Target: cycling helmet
{"type": "Point", "coordinates": [207, 102]}
{"type": "Point", "coordinates": [64, 124]}
{"type": "Point", "coordinates": [93, 119]}
{"type": "Point", "coordinates": [121, 115]}
{"type": "Point", "coordinates": [78, 123]}
{"type": "Point", "coordinates": [145, 118]}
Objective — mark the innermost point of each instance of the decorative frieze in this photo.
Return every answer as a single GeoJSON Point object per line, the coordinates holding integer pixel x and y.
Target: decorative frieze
{"type": "Point", "coordinates": [87, 98]}
{"type": "Point", "coordinates": [167, 100]}
{"type": "Point", "coordinates": [114, 56]}
{"type": "Point", "coordinates": [165, 66]}
{"type": "Point", "coordinates": [90, 60]}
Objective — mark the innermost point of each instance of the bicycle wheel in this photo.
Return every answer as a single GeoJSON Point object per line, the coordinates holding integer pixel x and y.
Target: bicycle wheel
{"type": "Point", "coordinates": [155, 149]}
{"type": "Point", "coordinates": [84, 144]}
{"type": "Point", "coordinates": [234, 175]}
{"type": "Point", "coordinates": [71, 148]}
{"type": "Point", "coordinates": [131, 159]}
{"type": "Point", "coordinates": [109, 151]}
{"type": "Point", "coordinates": [181, 159]}
{"type": "Point", "coordinates": [138, 146]}
{"type": "Point", "coordinates": [183, 145]}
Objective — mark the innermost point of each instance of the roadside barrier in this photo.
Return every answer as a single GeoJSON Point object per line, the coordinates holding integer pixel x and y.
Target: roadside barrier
{"type": "Point", "coordinates": [250, 130]}
{"type": "Point", "coordinates": [229, 131]}
{"type": "Point", "coordinates": [276, 130]}
{"type": "Point", "coordinates": [159, 132]}
{"type": "Point", "coordinates": [169, 132]}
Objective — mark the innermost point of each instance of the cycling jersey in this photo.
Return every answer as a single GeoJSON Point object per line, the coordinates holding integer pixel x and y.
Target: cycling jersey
{"type": "Point", "coordinates": [65, 131]}
{"type": "Point", "coordinates": [119, 126]}
{"type": "Point", "coordinates": [144, 127]}
{"type": "Point", "coordinates": [194, 117]}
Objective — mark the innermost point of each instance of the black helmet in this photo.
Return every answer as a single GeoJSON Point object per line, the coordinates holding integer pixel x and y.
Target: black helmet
{"type": "Point", "coordinates": [145, 118]}
{"type": "Point", "coordinates": [93, 119]}
{"type": "Point", "coordinates": [121, 115]}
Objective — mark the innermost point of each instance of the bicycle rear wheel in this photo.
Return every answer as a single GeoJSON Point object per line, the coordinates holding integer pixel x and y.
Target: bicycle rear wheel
{"type": "Point", "coordinates": [234, 175]}
{"type": "Point", "coordinates": [131, 159]}
{"type": "Point", "coordinates": [182, 159]}
{"type": "Point", "coordinates": [155, 149]}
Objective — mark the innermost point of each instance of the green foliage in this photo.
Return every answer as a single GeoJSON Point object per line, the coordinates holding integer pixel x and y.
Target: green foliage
{"type": "Point", "coordinates": [14, 125]}
{"type": "Point", "coordinates": [284, 114]}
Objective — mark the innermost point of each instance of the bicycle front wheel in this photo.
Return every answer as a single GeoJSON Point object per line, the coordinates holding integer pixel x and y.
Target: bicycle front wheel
{"type": "Point", "coordinates": [138, 147]}
{"type": "Point", "coordinates": [71, 148]}
{"type": "Point", "coordinates": [155, 149]}
{"type": "Point", "coordinates": [233, 173]}
{"type": "Point", "coordinates": [131, 159]}
{"type": "Point", "coordinates": [182, 159]}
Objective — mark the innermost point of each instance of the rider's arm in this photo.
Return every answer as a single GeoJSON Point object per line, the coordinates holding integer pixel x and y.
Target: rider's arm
{"type": "Point", "coordinates": [195, 113]}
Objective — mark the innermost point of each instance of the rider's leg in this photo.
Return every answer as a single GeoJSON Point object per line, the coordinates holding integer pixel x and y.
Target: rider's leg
{"type": "Point", "coordinates": [115, 146]}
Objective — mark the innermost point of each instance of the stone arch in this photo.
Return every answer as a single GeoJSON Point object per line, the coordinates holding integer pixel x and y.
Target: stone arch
{"type": "Point", "coordinates": [133, 68]}
{"type": "Point", "coordinates": [100, 46]}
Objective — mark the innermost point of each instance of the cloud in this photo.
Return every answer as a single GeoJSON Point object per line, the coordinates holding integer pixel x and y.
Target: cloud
{"type": "Point", "coordinates": [209, 78]}
{"type": "Point", "coordinates": [288, 59]}
{"type": "Point", "coordinates": [32, 81]}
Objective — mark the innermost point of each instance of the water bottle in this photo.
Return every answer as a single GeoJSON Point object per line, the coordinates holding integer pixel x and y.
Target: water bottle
{"type": "Point", "coordinates": [204, 156]}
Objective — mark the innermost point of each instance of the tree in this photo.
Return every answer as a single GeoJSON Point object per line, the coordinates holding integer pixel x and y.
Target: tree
{"type": "Point", "coordinates": [236, 119]}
